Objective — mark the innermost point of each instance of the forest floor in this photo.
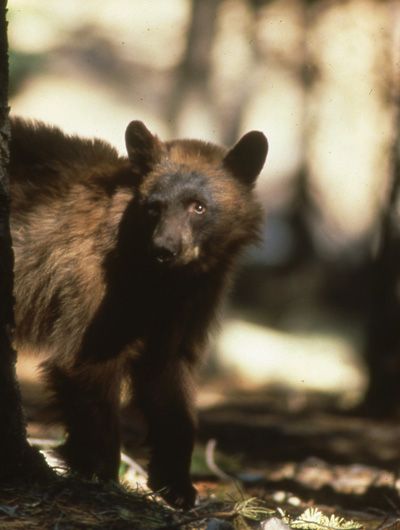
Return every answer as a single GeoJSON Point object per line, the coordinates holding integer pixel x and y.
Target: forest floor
{"type": "Point", "coordinates": [302, 463]}
{"type": "Point", "coordinates": [310, 455]}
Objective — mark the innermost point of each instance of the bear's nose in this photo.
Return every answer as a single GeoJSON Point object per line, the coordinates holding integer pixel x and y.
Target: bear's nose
{"type": "Point", "coordinates": [164, 254]}
{"type": "Point", "coordinates": [165, 249]}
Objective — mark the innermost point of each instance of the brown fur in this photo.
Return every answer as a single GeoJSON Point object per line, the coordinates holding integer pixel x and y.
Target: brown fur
{"type": "Point", "coordinates": [117, 268]}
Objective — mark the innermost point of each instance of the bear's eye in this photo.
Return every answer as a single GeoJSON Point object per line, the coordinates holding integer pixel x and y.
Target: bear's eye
{"type": "Point", "coordinates": [197, 207]}
{"type": "Point", "coordinates": [153, 209]}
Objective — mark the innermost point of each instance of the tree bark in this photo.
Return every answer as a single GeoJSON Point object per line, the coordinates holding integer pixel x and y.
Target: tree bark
{"type": "Point", "coordinates": [17, 458]}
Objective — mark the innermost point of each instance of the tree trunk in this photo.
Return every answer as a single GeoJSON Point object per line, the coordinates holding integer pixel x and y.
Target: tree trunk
{"type": "Point", "coordinates": [17, 458]}
{"type": "Point", "coordinates": [383, 326]}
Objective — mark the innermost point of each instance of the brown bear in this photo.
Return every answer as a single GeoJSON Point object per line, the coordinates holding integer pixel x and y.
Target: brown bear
{"type": "Point", "coordinates": [120, 264]}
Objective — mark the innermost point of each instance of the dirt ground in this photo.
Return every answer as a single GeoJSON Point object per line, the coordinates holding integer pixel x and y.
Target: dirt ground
{"type": "Point", "coordinates": [315, 456]}
{"type": "Point", "coordinates": [291, 453]}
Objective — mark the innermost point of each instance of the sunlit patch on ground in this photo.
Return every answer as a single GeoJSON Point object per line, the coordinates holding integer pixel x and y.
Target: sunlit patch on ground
{"type": "Point", "coordinates": [261, 356]}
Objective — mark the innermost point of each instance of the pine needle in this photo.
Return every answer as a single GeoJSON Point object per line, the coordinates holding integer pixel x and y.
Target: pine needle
{"type": "Point", "coordinates": [314, 519]}
{"type": "Point", "coordinates": [253, 509]}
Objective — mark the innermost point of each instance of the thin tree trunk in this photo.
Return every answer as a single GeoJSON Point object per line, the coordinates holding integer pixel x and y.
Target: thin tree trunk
{"type": "Point", "coordinates": [193, 74]}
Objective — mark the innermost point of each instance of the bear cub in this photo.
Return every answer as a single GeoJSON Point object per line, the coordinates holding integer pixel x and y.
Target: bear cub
{"type": "Point", "coordinates": [120, 264]}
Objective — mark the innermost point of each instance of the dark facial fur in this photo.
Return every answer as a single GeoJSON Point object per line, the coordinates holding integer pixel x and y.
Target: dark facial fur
{"type": "Point", "coordinates": [198, 199]}
{"type": "Point", "coordinates": [196, 213]}
{"type": "Point", "coordinates": [120, 266]}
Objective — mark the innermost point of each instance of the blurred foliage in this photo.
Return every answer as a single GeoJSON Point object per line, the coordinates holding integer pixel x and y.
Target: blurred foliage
{"type": "Point", "coordinates": [23, 66]}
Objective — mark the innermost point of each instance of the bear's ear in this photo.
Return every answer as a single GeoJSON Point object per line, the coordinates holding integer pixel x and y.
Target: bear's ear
{"type": "Point", "coordinates": [246, 158]}
{"type": "Point", "coordinates": [144, 149]}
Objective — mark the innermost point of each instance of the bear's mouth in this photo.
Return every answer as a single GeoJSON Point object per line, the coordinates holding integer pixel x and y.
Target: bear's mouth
{"type": "Point", "coordinates": [164, 256]}
{"type": "Point", "coordinates": [167, 258]}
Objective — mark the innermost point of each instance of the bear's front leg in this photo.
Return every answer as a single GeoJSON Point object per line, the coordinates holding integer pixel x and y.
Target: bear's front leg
{"type": "Point", "coordinates": [86, 400]}
{"type": "Point", "coordinates": [164, 394]}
